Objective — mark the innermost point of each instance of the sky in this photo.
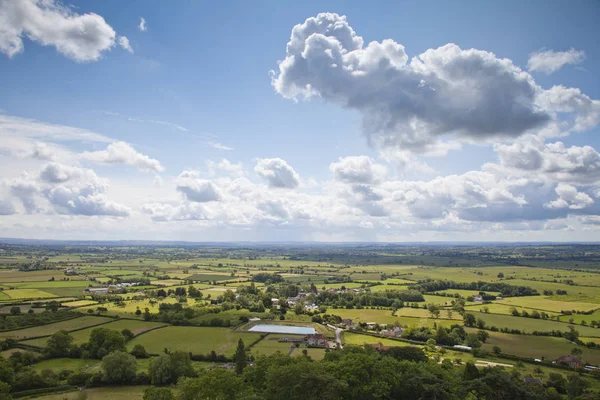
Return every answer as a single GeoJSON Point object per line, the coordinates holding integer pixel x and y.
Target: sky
{"type": "Point", "coordinates": [306, 121]}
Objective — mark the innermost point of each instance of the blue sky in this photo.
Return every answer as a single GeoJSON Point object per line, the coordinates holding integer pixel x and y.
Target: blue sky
{"type": "Point", "coordinates": [196, 89]}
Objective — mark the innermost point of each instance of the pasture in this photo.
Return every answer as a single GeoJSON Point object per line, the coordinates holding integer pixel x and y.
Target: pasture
{"type": "Point", "coordinates": [529, 325]}
{"type": "Point", "coordinates": [49, 329]}
{"type": "Point", "coordinates": [198, 340]}
{"type": "Point", "coordinates": [537, 346]}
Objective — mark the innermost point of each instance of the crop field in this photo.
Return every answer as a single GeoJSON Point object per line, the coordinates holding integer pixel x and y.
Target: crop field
{"type": "Point", "coordinates": [13, 276]}
{"type": "Point", "coordinates": [49, 329]}
{"type": "Point", "coordinates": [49, 284]}
{"type": "Point", "coordinates": [547, 304]}
{"type": "Point", "coordinates": [530, 324]}
{"type": "Point", "coordinates": [20, 294]}
{"type": "Point", "coordinates": [198, 340]}
{"type": "Point", "coordinates": [130, 307]}
{"type": "Point", "coordinates": [167, 282]}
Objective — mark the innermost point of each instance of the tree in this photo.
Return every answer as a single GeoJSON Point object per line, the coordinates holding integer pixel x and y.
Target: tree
{"type": "Point", "coordinates": [59, 344]}
{"type": "Point", "coordinates": [496, 349]}
{"type": "Point", "coordinates": [576, 352]}
{"type": "Point", "coordinates": [240, 357]}
{"type": "Point", "coordinates": [7, 374]}
{"type": "Point", "coordinates": [216, 383]}
{"type": "Point", "coordinates": [158, 393]}
{"type": "Point", "coordinates": [434, 310]}
{"type": "Point", "coordinates": [500, 275]}
{"type": "Point", "coordinates": [127, 334]}
{"type": "Point", "coordinates": [470, 372]}
{"type": "Point", "coordinates": [480, 323]}
{"type": "Point", "coordinates": [103, 341]}
{"type": "Point", "coordinates": [52, 306]}
{"type": "Point", "coordinates": [119, 367]}
{"type": "Point", "coordinates": [15, 310]}
{"type": "Point", "coordinates": [167, 368]}
{"type": "Point", "coordinates": [469, 320]}
{"type": "Point", "coordinates": [575, 386]}
{"type": "Point", "coordinates": [473, 341]}
{"type": "Point", "coordinates": [139, 351]}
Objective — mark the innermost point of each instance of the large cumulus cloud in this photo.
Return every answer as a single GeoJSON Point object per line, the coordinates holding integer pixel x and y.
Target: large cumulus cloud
{"type": "Point", "coordinates": [277, 172]}
{"type": "Point", "coordinates": [444, 92]}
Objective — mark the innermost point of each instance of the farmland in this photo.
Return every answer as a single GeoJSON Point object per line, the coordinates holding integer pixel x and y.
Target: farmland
{"type": "Point", "coordinates": [191, 339]}
{"type": "Point", "coordinates": [174, 301]}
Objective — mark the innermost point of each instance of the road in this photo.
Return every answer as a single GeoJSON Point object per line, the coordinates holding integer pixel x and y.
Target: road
{"type": "Point", "coordinates": [338, 335]}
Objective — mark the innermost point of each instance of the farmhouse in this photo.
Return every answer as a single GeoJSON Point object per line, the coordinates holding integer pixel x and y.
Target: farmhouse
{"type": "Point", "coordinates": [532, 381]}
{"type": "Point", "coordinates": [98, 290]}
{"type": "Point", "coordinates": [569, 360]}
{"type": "Point", "coordinates": [317, 340]}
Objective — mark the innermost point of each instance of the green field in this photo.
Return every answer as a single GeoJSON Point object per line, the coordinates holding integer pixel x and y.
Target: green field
{"type": "Point", "coordinates": [49, 329]}
{"type": "Point", "coordinates": [529, 325]}
{"type": "Point", "coordinates": [83, 335]}
{"type": "Point", "coordinates": [359, 340]}
{"type": "Point", "coordinates": [73, 364]}
{"type": "Point", "coordinates": [102, 393]}
{"type": "Point", "coordinates": [209, 277]}
{"type": "Point", "coordinates": [578, 318]}
{"type": "Point", "coordinates": [198, 340]}
{"type": "Point", "coordinates": [386, 317]}
{"type": "Point", "coordinates": [267, 347]}
{"type": "Point", "coordinates": [20, 294]}
{"type": "Point", "coordinates": [537, 346]}
{"type": "Point", "coordinates": [553, 304]}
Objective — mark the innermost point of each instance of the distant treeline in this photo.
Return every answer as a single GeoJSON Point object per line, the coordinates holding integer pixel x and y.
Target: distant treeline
{"type": "Point", "coordinates": [504, 288]}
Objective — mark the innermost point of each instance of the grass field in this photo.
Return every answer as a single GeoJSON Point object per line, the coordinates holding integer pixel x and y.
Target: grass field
{"type": "Point", "coordinates": [537, 346]}
{"type": "Point", "coordinates": [102, 393]}
{"type": "Point", "coordinates": [501, 309]}
{"type": "Point", "coordinates": [19, 294]}
{"type": "Point", "coordinates": [50, 284]}
{"type": "Point", "coordinates": [386, 317]}
{"type": "Point", "coordinates": [130, 307]}
{"type": "Point", "coordinates": [80, 303]}
{"type": "Point", "coordinates": [209, 277]}
{"type": "Point", "coordinates": [195, 339]}
{"type": "Point", "coordinates": [267, 347]}
{"type": "Point", "coordinates": [529, 325]}
{"type": "Point", "coordinates": [49, 329]}
{"type": "Point", "coordinates": [577, 318]}
{"type": "Point", "coordinates": [360, 340]}
{"type": "Point", "coordinates": [73, 364]}
{"type": "Point", "coordinates": [466, 293]}
{"type": "Point", "coordinates": [82, 336]}
{"type": "Point", "coordinates": [548, 304]}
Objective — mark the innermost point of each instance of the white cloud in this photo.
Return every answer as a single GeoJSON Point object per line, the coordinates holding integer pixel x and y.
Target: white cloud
{"type": "Point", "coordinates": [586, 112]}
{"type": "Point", "coordinates": [357, 169]}
{"type": "Point", "coordinates": [162, 212]}
{"type": "Point", "coordinates": [549, 61]}
{"type": "Point", "coordinates": [123, 153]}
{"type": "Point", "coordinates": [49, 23]}
{"type": "Point", "coordinates": [124, 43]}
{"type": "Point", "coordinates": [11, 126]}
{"type": "Point", "coordinates": [568, 196]}
{"type": "Point", "coordinates": [88, 200]}
{"type": "Point", "coordinates": [277, 173]}
{"type": "Point", "coordinates": [555, 161]}
{"type": "Point", "coordinates": [219, 146]}
{"type": "Point", "coordinates": [60, 173]}
{"type": "Point", "coordinates": [196, 189]}
{"type": "Point", "coordinates": [142, 25]}
{"type": "Point", "coordinates": [465, 95]}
